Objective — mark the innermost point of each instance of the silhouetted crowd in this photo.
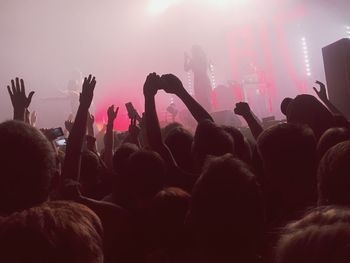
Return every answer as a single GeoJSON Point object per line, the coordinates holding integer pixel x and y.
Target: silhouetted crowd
{"type": "Point", "coordinates": [155, 194]}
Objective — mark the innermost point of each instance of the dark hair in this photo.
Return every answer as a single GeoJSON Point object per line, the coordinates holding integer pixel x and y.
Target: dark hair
{"type": "Point", "coordinates": [241, 147]}
{"type": "Point", "coordinates": [179, 141]}
{"type": "Point", "coordinates": [121, 157]}
{"type": "Point", "coordinates": [306, 109]}
{"type": "Point", "coordinates": [210, 140]}
{"type": "Point", "coordinates": [27, 164]}
{"type": "Point", "coordinates": [226, 210]}
{"type": "Point", "coordinates": [288, 154]}
{"type": "Point", "coordinates": [145, 177]}
{"type": "Point", "coordinates": [333, 175]}
{"type": "Point", "coordinates": [288, 149]}
{"type": "Point", "coordinates": [168, 213]}
{"type": "Point", "coordinates": [330, 138]}
{"type": "Point", "coordinates": [321, 236]}
{"type": "Point", "coordinates": [53, 232]}
{"type": "Point", "coordinates": [285, 104]}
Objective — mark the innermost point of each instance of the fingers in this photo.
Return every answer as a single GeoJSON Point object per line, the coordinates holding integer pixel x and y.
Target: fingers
{"type": "Point", "coordinates": [9, 91]}
{"type": "Point", "coordinates": [30, 96]}
{"type": "Point", "coordinates": [116, 110]}
{"type": "Point", "coordinates": [14, 91]}
{"type": "Point", "coordinates": [17, 85]}
{"type": "Point", "coordinates": [93, 83]}
{"type": "Point", "coordinates": [22, 86]}
{"type": "Point", "coordinates": [315, 90]}
{"type": "Point", "coordinates": [89, 78]}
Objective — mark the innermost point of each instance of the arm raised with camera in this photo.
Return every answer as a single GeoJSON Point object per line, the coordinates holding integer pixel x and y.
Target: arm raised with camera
{"type": "Point", "coordinates": [133, 133]}
{"type": "Point", "coordinates": [71, 167]}
{"type": "Point", "coordinates": [109, 138]}
{"type": "Point", "coordinates": [153, 132]}
{"type": "Point", "coordinates": [173, 85]}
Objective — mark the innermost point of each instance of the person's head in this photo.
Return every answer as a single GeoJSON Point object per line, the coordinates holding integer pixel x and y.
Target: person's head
{"type": "Point", "coordinates": [167, 216]}
{"type": "Point", "coordinates": [52, 232]}
{"type": "Point", "coordinates": [322, 236]}
{"type": "Point", "coordinates": [210, 140]}
{"type": "Point", "coordinates": [306, 109]}
{"type": "Point", "coordinates": [179, 141]}
{"type": "Point", "coordinates": [145, 178]}
{"type": "Point", "coordinates": [121, 157]}
{"type": "Point", "coordinates": [90, 169]}
{"type": "Point", "coordinates": [241, 146]}
{"type": "Point", "coordinates": [120, 167]}
{"type": "Point", "coordinates": [27, 166]}
{"type": "Point", "coordinates": [334, 177]}
{"type": "Point", "coordinates": [288, 155]}
{"type": "Point", "coordinates": [169, 127]}
{"type": "Point", "coordinates": [330, 138]}
{"type": "Point", "coordinates": [226, 210]}
{"type": "Point", "coordinates": [285, 104]}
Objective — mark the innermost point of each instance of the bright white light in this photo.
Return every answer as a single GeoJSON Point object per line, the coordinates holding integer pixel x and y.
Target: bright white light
{"type": "Point", "coordinates": [306, 56]}
{"type": "Point", "coordinates": [157, 7]}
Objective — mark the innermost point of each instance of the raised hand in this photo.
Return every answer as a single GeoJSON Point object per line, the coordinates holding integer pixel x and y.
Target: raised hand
{"type": "Point", "coordinates": [134, 130]}
{"type": "Point", "coordinates": [172, 84]}
{"type": "Point", "coordinates": [152, 85]}
{"type": "Point", "coordinates": [112, 114]}
{"type": "Point", "coordinates": [18, 97]}
{"type": "Point", "coordinates": [242, 109]}
{"type": "Point", "coordinates": [322, 93]}
{"type": "Point", "coordinates": [87, 92]}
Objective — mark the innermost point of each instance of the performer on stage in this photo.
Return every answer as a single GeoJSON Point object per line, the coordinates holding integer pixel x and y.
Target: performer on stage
{"type": "Point", "coordinates": [199, 65]}
{"type": "Point", "coordinates": [72, 92]}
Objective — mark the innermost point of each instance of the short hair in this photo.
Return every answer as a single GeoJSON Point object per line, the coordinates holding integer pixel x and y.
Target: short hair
{"type": "Point", "coordinates": [330, 138]}
{"type": "Point", "coordinates": [285, 104]}
{"type": "Point", "coordinates": [241, 149]}
{"type": "Point", "coordinates": [146, 175]}
{"type": "Point", "coordinates": [58, 231]}
{"type": "Point", "coordinates": [27, 165]}
{"type": "Point", "coordinates": [90, 166]}
{"type": "Point", "coordinates": [168, 212]}
{"type": "Point", "coordinates": [210, 140]}
{"type": "Point", "coordinates": [179, 142]}
{"type": "Point", "coordinates": [306, 109]}
{"type": "Point", "coordinates": [121, 157]}
{"type": "Point", "coordinates": [288, 148]}
{"type": "Point", "coordinates": [226, 208]}
{"type": "Point", "coordinates": [322, 235]}
{"type": "Point", "coordinates": [333, 176]}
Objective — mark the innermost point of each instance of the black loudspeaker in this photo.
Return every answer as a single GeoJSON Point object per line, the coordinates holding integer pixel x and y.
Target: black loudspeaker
{"type": "Point", "coordinates": [336, 58]}
{"type": "Point", "coordinates": [226, 117]}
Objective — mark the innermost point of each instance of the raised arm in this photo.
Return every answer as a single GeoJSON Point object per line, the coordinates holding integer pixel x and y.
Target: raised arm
{"type": "Point", "coordinates": [322, 95]}
{"type": "Point", "coordinates": [243, 109]}
{"type": "Point", "coordinates": [133, 133]}
{"type": "Point", "coordinates": [20, 101]}
{"type": "Point", "coordinates": [154, 136]}
{"type": "Point", "coordinates": [71, 167]}
{"type": "Point", "coordinates": [90, 124]}
{"type": "Point", "coordinates": [109, 138]}
{"type": "Point", "coordinates": [173, 85]}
